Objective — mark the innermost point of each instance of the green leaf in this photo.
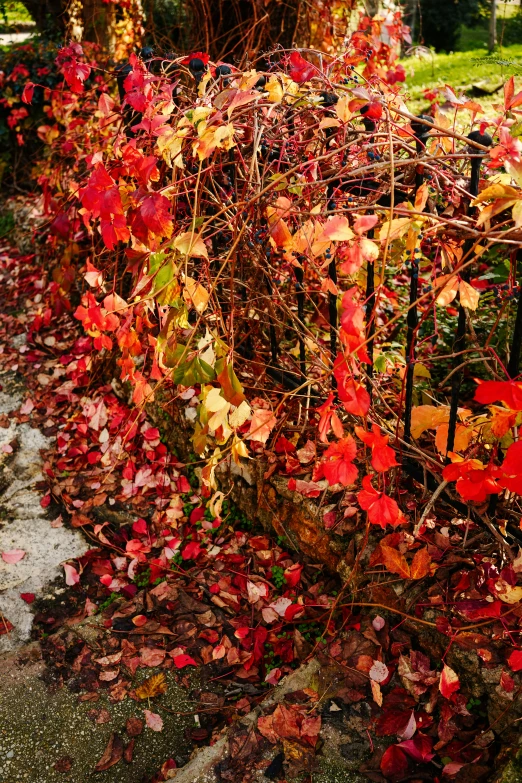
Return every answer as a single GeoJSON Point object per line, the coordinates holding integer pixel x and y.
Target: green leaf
{"type": "Point", "coordinates": [192, 372]}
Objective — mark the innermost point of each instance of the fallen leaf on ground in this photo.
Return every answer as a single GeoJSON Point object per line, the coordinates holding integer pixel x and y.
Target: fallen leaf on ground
{"type": "Point", "coordinates": [112, 753]}
{"type": "Point", "coordinates": [154, 686]}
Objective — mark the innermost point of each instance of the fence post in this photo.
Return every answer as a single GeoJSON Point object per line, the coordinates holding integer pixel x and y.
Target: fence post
{"type": "Point", "coordinates": [421, 132]}
{"type": "Point", "coordinates": [460, 338]}
{"type": "Point", "coordinates": [516, 341]}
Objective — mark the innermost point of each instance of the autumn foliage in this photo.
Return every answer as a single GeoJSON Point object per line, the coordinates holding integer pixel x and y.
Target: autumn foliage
{"type": "Point", "coordinates": [243, 244]}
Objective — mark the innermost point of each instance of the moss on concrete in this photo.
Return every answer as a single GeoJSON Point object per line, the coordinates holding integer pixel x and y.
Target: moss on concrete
{"type": "Point", "coordinates": [39, 727]}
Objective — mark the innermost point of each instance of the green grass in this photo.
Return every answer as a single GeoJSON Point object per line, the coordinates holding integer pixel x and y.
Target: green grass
{"type": "Point", "coordinates": [460, 70]}
{"type": "Point", "coordinates": [13, 13]}
{"type": "Point", "coordinates": [506, 10]}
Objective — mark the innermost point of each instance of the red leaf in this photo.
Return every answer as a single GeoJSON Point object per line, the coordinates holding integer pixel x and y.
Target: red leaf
{"type": "Point", "coordinates": [449, 682]}
{"type": "Point", "coordinates": [180, 661]}
{"type": "Point", "coordinates": [352, 394]}
{"type": "Point", "coordinates": [13, 556]}
{"type": "Point", "coordinates": [383, 457]}
{"type": "Point", "coordinates": [153, 720]}
{"type": "Point", "coordinates": [292, 574]}
{"type": "Point", "coordinates": [27, 95]}
{"type": "Point", "coordinates": [203, 56]}
{"type": "Point", "coordinates": [155, 213]}
{"type": "Point", "coordinates": [72, 577]}
{"type": "Point", "coordinates": [507, 683]}
{"type": "Point", "coordinates": [191, 551]}
{"type": "Point", "coordinates": [394, 762]}
{"type": "Point", "coordinates": [294, 610]}
{"type": "Point", "coordinates": [139, 527]}
{"type": "Point", "coordinates": [75, 73]}
{"type": "Point", "coordinates": [27, 597]}
{"type": "Point", "coordinates": [512, 465]}
{"type": "Point", "coordinates": [505, 391]}
{"type": "Point", "coordinates": [419, 748]}
{"type": "Point", "coordinates": [338, 467]}
{"type": "Point", "coordinates": [372, 110]}
{"type": "Point", "coordinates": [300, 70]}
{"type": "Point", "coordinates": [515, 661]}
{"type": "Point", "coordinates": [382, 509]}
{"type": "Point", "coordinates": [310, 489]}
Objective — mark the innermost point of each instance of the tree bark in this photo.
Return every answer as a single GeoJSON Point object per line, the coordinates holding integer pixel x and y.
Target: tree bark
{"type": "Point", "coordinates": [372, 7]}
{"type": "Point", "coordinates": [48, 15]}
{"type": "Point", "coordinates": [492, 40]}
{"type": "Point", "coordinates": [98, 19]}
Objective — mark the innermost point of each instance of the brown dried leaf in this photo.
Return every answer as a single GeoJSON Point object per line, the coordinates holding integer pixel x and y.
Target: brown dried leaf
{"type": "Point", "coordinates": [154, 686]}
{"type": "Point", "coordinates": [112, 753]}
{"type": "Point", "coordinates": [129, 750]}
{"type": "Point", "coordinates": [134, 726]}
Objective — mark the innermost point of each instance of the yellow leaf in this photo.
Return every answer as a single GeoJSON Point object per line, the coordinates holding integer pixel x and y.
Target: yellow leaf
{"type": "Point", "coordinates": [420, 565]}
{"type": "Point", "coordinates": [189, 244]}
{"type": "Point", "coordinates": [421, 371]}
{"type": "Point", "coordinates": [239, 450]}
{"type": "Point", "coordinates": [469, 296]}
{"type": "Point", "coordinates": [342, 110]}
{"type": "Point", "coordinates": [329, 122]}
{"type": "Point", "coordinates": [240, 415]}
{"type": "Point", "coordinates": [509, 594]}
{"type": "Point", "coordinates": [376, 692]}
{"type": "Point", "coordinates": [214, 401]}
{"type": "Point", "coordinates": [426, 417]}
{"type": "Point", "coordinates": [197, 294]}
{"type": "Point", "coordinates": [494, 209]}
{"type": "Point", "coordinates": [394, 561]}
{"type": "Point", "coordinates": [397, 228]}
{"type": "Point", "coordinates": [219, 419]}
{"type": "Point", "coordinates": [154, 686]}
{"type": "Point", "coordinates": [496, 191]}
{"type": "Point", "coordinates": [369, 250]}
{"type": "Point", "coordinates": [274, 89]}
{"type": "Point", "coordinates": [501, 420]}
{"type": "Point", "coordinates": [169, 146]}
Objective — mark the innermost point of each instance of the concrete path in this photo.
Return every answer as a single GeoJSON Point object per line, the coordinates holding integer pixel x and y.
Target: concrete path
{"type": "Point", "coordinates": [6, 39]}
{"type": "Point", "coordinates": [24, 524]}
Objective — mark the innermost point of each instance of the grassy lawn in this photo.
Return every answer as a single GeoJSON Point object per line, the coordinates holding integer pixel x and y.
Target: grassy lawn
{"type": "Point", "coordinates": [462, 69]}
{"type": "Point", "coordinates": [12, 14]}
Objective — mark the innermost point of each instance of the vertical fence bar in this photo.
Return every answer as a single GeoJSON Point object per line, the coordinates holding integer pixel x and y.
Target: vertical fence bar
{"type": "Point", "coordinates": [513, 367]}
{"type": "Point", "coordinates": [421, 132]}
{"type": "Point", "coordinates": [460, 338]}
{"type": "Point", "coordinates": [300, 295]}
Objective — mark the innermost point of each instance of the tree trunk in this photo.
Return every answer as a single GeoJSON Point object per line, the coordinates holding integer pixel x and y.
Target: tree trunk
{"type": "Point", "coordinates": [48, 15]}
{"type": "Point", "coordinates": [372, 7]}
{"type": "Point", "coordinates": [98, 22]}
{"type": "Point", "coordinates": [492, 40]}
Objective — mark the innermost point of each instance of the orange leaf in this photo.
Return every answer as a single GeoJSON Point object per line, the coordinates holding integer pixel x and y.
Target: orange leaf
{"type": "Point", "coordinates": [420, 565]}
{"type": "Point", "coordinates": [449, 291]}
{"type": "Point", "coordinates": [232, 389]}
{"type": "Point", "coordinates": [395, 562]}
